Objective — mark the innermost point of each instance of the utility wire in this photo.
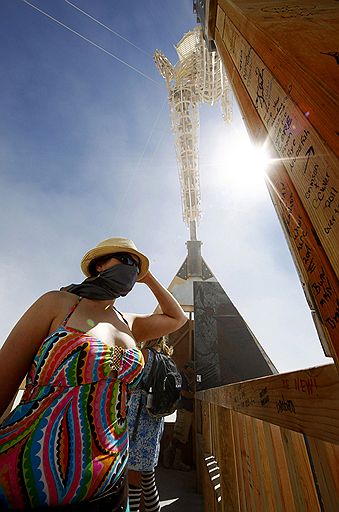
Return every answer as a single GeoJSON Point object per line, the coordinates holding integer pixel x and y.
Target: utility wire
{"type": "Point", "coordinates": [90, 42]}
{"type": "Point", "coordinates": [107, 28]}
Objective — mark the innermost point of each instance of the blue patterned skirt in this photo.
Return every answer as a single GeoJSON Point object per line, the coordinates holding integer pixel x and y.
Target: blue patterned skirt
{"type": "Point", "coordinates": [144, 432]}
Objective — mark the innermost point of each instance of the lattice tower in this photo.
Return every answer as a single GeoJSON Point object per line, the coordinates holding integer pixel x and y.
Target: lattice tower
{"type": "Point", "coordinates": [198, 77]}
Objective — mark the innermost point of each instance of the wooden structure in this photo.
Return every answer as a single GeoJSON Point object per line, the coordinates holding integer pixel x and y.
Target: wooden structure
{"type": "Point", "coordinates": [271, 444]}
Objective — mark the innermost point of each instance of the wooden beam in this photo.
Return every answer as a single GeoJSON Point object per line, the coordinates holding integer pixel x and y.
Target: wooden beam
{"type": "Point", "coordinates": [183, 335]}
{"type": "Point", "coordinates": [211, 14]}
{"type": "Point", "coordinates": [305, 401]}
{"type": "Point", "coordinates": [300, 147]}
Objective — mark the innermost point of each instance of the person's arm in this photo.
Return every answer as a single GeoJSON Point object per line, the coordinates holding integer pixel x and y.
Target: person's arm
{"type": "Point", "coordinates": [185, 387]}
{"type": "Point", "coordinates": [19, 349]}
{"type": "Point", "coordinates": [150, 327]}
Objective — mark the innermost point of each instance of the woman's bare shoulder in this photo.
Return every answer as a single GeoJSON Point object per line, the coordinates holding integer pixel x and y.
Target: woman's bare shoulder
{"type": "Point", "coordinates": [58, 297]}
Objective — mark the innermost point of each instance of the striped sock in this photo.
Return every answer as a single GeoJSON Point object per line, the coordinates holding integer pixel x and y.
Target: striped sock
{"type": "Point", "coordinates": [134, 494]}
{"type": "Point", "coordinates": [150, 491]}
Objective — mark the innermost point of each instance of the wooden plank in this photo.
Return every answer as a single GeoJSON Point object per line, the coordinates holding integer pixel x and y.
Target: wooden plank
{"type": "Point", "coordinates": [175, 340]}
{"type": "Point", "coordinates": [220, 21]}
{"type": "Point", "coordinates": [200, 463]}
{"type": "Point", "coordinates": [211, 14]}
{"type": "Point", "coordinates": [248, 466]}
{"type": "Point", "coordinates": [256, 473]}
{"type": "Point", "coordinates": [325, 458]}
{"type": "Point", "coordinates": [206, 428]}
{"type": "Point", "coordinates": [265, 483]}
{"type": "Point", "coordinates": [226, 460]}
{"type": "Point", "coordinates": [310, 163]}
{"type": "Point", "coordinates": [320, 280]}
{"type": "Point", "coordinates": [301, 477]}
{"type": "Point", "coordinates": [305, 401]}
{"type": "Point", "coordinates": [272, 489]}
{"type": "Point", "coordinates": [180, 341]}
{"type": "Point", "coordinates": [282, 474]}
{"type": "Point", "coordinates": [239, 454]}
{"type": "Point", "coordinates": [214, 429]}
{"type": "Point", "coordinates": [217, 451]}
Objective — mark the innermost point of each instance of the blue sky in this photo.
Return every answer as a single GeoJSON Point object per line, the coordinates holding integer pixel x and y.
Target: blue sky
{"type": "Point", "coordinates": [86, 152]}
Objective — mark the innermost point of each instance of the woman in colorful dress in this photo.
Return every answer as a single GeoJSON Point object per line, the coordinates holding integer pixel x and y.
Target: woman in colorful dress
{"type": "Point", "coordinates": [145, 434]}
{"type": "Point", "coordinates": [65, 446]}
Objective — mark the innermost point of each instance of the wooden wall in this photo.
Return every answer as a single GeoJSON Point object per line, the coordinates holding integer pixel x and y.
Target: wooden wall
{"type": "Point", "coordinates": [281, 58]}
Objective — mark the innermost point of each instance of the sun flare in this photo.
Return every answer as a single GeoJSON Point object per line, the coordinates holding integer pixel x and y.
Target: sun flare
{"type": "Point", "coordinates": [246, 164]}
{"type": "Point", "coordinates": [240, 165]}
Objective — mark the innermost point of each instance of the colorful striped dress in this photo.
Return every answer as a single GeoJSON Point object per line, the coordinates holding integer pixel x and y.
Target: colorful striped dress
{"type": "Point", "coordinates": [66, 442]}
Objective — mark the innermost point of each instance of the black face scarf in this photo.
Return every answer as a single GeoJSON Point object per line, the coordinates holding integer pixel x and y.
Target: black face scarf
{"type": "Point", "coordinates": [112, 283]}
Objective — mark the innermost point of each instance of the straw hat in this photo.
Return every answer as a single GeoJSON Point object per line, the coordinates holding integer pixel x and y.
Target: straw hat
{"type": "Point", "coordinates": [110, 246]}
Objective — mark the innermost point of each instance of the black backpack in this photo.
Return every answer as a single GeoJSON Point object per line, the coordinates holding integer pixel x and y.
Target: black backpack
{"type": "Point", "coordinates": [162, 386]}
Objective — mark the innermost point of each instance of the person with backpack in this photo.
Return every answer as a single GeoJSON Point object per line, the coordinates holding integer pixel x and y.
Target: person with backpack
{"type": "Point", "coordinates": [183, 423]}
{"type": "Point", "coordinates": [147, 408]}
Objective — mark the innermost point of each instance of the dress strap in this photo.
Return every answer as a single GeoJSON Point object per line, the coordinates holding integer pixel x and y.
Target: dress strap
{"type": "Point", "coordinates": [71, 312]}
{"type": "Point", "coordinates": [122, 316]}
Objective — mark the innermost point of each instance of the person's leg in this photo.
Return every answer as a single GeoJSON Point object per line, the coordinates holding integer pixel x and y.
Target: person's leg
{"type": "Point", "coordinates": [177, 462]}
{"type": "Point", "coordinates": [150, 492]}
{"type": "Point", "coordinates": [134, 490]}
{"type": "Point", "coordinates": [168, 455]}
{"type": "Point", "coordinates": [170, 450]}
{"type": "Point", "coordinates": [181, 432]}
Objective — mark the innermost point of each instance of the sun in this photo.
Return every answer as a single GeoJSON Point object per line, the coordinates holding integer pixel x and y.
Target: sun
{"type": "Point", "coordinates": [245, 164]}
{"type": "Point", "coordinates": [240, 164]}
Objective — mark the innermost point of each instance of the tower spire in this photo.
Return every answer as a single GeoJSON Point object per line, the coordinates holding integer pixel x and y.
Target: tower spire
{"type": "Point", "coordinates": [198, 77]}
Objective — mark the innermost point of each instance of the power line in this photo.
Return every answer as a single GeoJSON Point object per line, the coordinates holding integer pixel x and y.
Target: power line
{"type": "Point", "coordinates": [108, 28]}
{"type": "Point", "coordinates": [90, 42]}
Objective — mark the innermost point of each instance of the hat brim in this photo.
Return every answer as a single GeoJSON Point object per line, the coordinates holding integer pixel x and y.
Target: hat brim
{"type": "Point", "coordinates": [97, 252]}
